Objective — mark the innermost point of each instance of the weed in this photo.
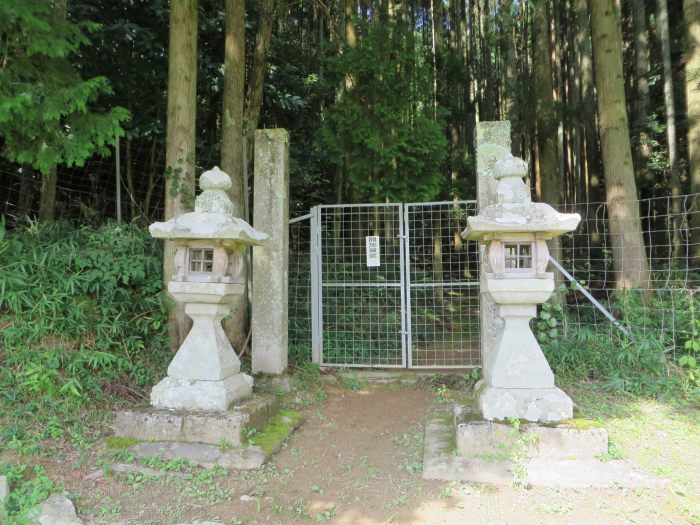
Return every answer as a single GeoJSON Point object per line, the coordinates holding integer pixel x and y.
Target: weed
{"type": "Point", "coordinates": [326, 514]}
{"type": "Point", "coordinates": [27, 489]}
{"type": "Point", "coordinates": [225, 444]}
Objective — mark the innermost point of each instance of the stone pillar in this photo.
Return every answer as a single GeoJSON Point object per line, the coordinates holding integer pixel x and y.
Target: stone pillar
{"type": "Point", "coordinates": [271, 262]}
{"type": "Point", "coordinates": [492, 143]}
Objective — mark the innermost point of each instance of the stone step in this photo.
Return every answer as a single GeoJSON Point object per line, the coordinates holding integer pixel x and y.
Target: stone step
{"type": "Point", "coordinates": [488, 439]}
{"type": "Point", "coordinates": [246, 456]}
{"type": "Point", "coordinates": [214, 428]}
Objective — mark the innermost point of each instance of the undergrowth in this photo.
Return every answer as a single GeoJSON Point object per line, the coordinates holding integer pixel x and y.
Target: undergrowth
{"type": "Point", "coordinates": [82, 314]}
{"type": "Point", "coordinates": [641, 355]}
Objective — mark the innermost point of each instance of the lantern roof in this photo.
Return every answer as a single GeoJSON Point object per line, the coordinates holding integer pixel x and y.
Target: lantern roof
{"type": "Point", "coordinates": [514, 211]}
{"type": "Point", "coordinates": [212, 218]}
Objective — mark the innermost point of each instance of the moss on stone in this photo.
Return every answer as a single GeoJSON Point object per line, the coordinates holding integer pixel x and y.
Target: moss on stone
{"type": "Point", "coordinates": [119, 443]}
{"type": "Point", "coordinates": [271, 436]}
{"type": "Point", "coordinates": [582, 423]}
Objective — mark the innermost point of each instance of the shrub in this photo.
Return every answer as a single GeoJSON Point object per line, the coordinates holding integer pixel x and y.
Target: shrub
{"type": "Point", "coordinates": [82, 311]}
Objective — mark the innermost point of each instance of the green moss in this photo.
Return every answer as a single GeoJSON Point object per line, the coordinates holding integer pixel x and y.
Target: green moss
{"type": "Point", "coordinates": [450, 433]}
{"type": "Point", "coordinates": [119, 443]}
{"type": "Point", "coordinates": [582, 423]}
{"type": "Point", "coordinates": [271, 436]}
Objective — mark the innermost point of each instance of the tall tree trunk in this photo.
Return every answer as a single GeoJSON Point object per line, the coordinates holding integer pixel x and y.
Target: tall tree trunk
{"type": "Point", "coordinates": [691, 17]}
{"type": "Point", "coordinates": [488, 67]}
{"type": "Point", "coordinates": [233, 100]}
{"type": "Point", "coordinates": [47, 202]}
{"type": "Point", "coordinates": [642, 150]}
{"type": "Point", "coordinates": [232, 144]}
{"type": "Point", "coordinates": [180, 135]}
{"type": "Point", "coordinates": [669, 103]}
{"type": "Point", "coordinates": [591, 139]}
{"type": "Point", "coordinates": [546, 117]}
{"type": "Point", "coordinates": [549, 172]}
{"type": "Point", "coordinates": [629, 256]}
{"type": "Point", "coordinates": [129, 161]}
{"type": "Point", "coordinates": [256, 81]}
{"type": "Point", "coordinates": [508, 53]}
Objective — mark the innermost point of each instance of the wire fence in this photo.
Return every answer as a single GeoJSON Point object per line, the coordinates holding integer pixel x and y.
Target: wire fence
{"type": "Point", "coordinates": [666, 308]}
{"type": "Point", "coordinates": [300, 288]}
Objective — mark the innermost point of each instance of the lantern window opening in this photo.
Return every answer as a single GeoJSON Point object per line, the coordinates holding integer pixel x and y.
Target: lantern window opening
{"type": "Point", "coordinates": [518, 256]}
{"type": "Point", "coordinates": [202, 260]}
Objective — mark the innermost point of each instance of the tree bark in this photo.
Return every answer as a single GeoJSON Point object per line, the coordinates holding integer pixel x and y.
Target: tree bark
{"type": "Point", "coordinates": [669, 103]}
{"type": "Point", "coordinates": [256, 81]}
{"type": "Point", "coordinates": [591, 139]}
{"type": "Point", "coordinates": [180, 136]}
{"type": "Point", "coordinates": [232, 145]}
{"type": "Point", "coordinates": [546, 117]}
{"type": "Point", "coordinates": [629, 256]}
{"type": "Point", "coordinates": [691, 17]}
{"type": "Point", "coordinates": [642, 148]}
{"type": "Point", "coordinates": [508, 53]}
{"type": "Point", "coordinates": [47, 202]}
{"type": "Point", "coordinates": [233, 101]}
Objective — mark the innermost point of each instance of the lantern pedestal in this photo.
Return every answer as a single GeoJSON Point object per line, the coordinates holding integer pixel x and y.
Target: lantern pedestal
{"type": "Point", "coordinates": [518, 382]}
{"type": "Point", "coordinates": [205, 372]}
{"type": "Point", "coordinates": [193, 394]}
{"type": "Point", "coordinates": [533, 404]}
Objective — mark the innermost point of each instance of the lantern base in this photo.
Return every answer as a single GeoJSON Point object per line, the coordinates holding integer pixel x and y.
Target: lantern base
{"type": "Point", "coordinates": [194, 394]}
{"type": "Point", "coordinates": [545, 405]}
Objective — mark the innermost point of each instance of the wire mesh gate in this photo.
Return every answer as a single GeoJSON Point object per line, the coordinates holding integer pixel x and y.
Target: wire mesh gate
{"type": "Point", "coordinates": [394, 285]}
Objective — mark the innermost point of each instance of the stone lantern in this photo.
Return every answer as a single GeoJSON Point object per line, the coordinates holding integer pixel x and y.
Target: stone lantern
{"type": "Point", "coordinates": [517, 380]}
{"type": "Point", "coordinates": [209, 250]}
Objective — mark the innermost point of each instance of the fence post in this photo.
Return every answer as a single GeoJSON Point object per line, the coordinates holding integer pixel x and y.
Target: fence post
{"type": "Point", "coordinates": [271, 262]}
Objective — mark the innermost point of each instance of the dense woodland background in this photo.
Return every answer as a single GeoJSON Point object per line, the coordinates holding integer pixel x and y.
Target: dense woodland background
{"type": "Point", "coordinates": [381, 98]}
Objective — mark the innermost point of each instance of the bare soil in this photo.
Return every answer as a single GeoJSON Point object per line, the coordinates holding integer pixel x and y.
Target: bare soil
{"type": "Point", "coordinates": [356, 460]}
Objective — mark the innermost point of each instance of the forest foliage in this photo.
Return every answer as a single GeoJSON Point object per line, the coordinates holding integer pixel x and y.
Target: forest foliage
{"type": "Point", "coordinates": [381, 100]}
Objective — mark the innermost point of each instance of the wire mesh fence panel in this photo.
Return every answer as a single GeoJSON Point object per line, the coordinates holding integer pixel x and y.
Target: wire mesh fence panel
{"type": "Point", "coordinates": [665, 306]}
{"type": "Point", "coordinates": [300, 289]}
{"type": "Point", "coordinates": [362, 293]}
{"type": "Point", "coordinates": [443, 286]}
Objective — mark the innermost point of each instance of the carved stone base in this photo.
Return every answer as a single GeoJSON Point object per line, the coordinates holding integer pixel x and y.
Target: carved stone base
{"type": "Point", "coordinates": [194, 394]}
{"type": "Point", "coordinates": [533, 404]}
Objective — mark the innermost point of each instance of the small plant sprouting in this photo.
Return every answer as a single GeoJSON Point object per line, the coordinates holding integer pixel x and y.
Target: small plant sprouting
{"type": "Point", "coordinates": [225, 444]}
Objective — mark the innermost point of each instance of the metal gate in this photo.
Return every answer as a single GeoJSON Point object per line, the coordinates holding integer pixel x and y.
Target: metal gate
{"type": "Point", "coordinates": [394, 285]}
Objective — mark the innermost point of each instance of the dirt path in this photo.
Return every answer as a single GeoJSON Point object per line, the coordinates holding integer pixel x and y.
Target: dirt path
{"type": "Point", "coordinates": [356, 460]}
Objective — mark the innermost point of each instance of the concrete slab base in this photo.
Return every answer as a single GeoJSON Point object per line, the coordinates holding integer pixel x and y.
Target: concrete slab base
{"type": "Point", "coordinates": [565, 441]}
{"type": "Point", "coordinates": [244, 457]}
{"type": "Point", "coordinates": [565, 457]}
{"type": "Point", "coordinates": [195, 426]}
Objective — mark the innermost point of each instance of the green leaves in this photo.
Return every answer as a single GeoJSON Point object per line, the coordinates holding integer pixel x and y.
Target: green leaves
{"type": "Point", "coordinates": [384, 129]}
{"type": "Point", "coordinates": [48, 113]}
{"type": "Point", "coordinates": [81, 308]}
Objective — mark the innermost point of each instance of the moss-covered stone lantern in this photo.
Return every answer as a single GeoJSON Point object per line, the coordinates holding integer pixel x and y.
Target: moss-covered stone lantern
{"type": "Point", "coordinates": [209, 250]}
{"type": "Point", "coordinates": [517, 380]}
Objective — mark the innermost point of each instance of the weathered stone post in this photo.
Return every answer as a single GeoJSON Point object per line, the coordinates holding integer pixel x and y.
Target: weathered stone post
{"type": "Point", "coordinates": [271, 263]}
{"type": "Point", "coordinates": [492, 143]}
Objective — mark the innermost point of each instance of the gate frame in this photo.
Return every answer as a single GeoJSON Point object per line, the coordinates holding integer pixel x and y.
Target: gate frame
{"type": "Point", "coordinates": [407, 267]}
{"type": "Point", "coordinates": [316, 245]}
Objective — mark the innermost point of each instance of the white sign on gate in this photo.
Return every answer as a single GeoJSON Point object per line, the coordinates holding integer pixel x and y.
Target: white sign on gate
{"type": "Point", "coordinates": [372, 245]}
